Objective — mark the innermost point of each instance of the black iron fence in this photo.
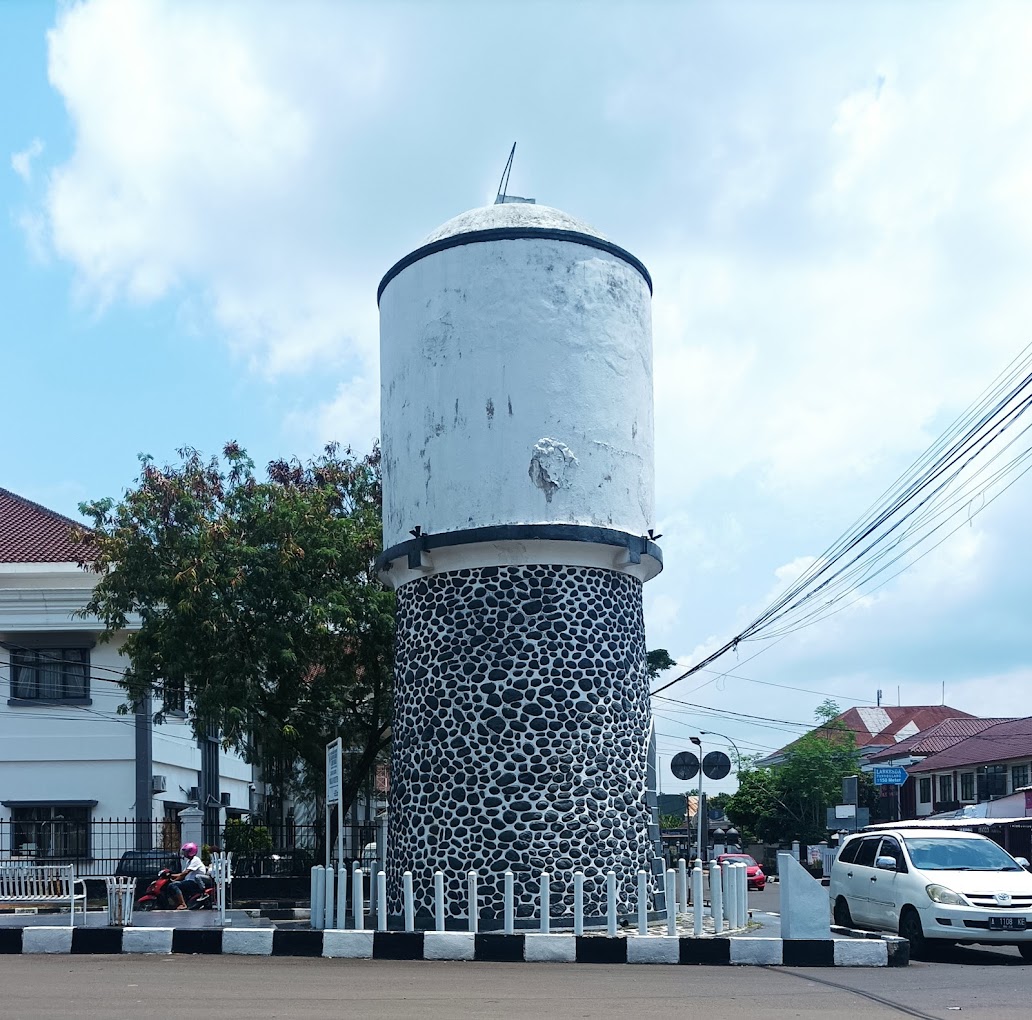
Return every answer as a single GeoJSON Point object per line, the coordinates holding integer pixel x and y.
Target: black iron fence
{"type": "Point", "coordinates": [97, 846]}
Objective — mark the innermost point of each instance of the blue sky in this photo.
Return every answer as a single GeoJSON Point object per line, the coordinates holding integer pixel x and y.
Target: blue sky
{"type": "Point", "coordinates": [834, 202]}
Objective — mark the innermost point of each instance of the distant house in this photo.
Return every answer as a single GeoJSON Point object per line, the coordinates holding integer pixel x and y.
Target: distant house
{"type": "Point", "coordinates": [69, 760]}
{"type": "Point", "coordinates": [877, 728]}
{"type": "Point", "coordinates": [992, 765]}
{"type": "Point", "coordinates": [901, 802]}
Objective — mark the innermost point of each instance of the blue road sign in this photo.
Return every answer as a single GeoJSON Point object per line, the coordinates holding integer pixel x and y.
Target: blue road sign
{"type": "Point", "coordinates": [894, 775]}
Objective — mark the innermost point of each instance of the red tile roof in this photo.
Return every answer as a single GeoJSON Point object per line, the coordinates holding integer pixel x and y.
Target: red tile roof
{"type": "Point", "coordinates": [1002, 742]}
{"type": "Point", "coordinates": [936, 738]}
{"type": "Point", "coordinates": [30, 533]}
{"type": "Point", "coordinates": [877, 727]}
{"type": "Point", "coordinates": [892, 723]}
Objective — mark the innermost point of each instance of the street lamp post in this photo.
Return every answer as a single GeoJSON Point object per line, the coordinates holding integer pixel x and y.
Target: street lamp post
{"type": "Point", "coordinates": [699, 809]}
{"type": "Point", "coordinates": [714, 733]}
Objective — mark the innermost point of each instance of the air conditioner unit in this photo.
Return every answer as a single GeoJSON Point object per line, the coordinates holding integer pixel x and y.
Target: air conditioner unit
{"type": "Point", "coordinates": [158, 784]}
{"type": "Point", "coordinates": [194, 795]}
{"type": "Point", "coordinates": [224, 799]}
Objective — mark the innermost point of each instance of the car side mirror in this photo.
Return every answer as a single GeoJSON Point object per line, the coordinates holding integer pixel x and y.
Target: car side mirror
{"type": "Point", "coordinates": [1023, 861]}
{"type": "Point", "coordinates": [885, 863]}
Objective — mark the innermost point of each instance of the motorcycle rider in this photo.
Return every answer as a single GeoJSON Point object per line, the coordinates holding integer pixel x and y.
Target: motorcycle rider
{"type": "Point", "coordinates": [191, 878]}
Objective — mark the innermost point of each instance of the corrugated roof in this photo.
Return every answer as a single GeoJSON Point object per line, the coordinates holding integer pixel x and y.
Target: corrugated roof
{"type": "Point", "coordinates": [1002, 742]}
{"type": "Point", "coordinates": [30, 533]}
{"type": "Point", "coordinates": [936, 738]}
{"type": "Point", "coordinates": [882, 726]}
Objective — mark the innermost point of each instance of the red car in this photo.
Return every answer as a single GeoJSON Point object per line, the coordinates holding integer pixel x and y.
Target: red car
{"type": "Point", "coordinates": [754, 876]}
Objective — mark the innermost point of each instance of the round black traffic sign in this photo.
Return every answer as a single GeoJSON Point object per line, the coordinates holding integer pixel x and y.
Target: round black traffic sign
{"type": "Point", "coordinates": [716, 765]}
{"type": "Point", "coordinates": [684, 765]}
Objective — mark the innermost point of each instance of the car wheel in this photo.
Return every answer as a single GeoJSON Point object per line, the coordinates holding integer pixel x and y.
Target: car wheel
{"type": "Point", "coordinates": [1026, 951]}
{"type": "Point", "coordinates": [843, 918]}
{"type": "Point", "coordinates": [910, 929]}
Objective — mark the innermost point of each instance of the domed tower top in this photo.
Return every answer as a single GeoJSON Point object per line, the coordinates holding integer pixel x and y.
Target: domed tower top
{"type": "Point", "coordinates": [516, 398]}
{"type": "Point", "coordinates": [509, 221]}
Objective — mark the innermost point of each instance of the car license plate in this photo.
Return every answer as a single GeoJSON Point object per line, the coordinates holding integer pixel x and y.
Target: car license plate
{"type": "Point", "coordinates": [1007, 924]}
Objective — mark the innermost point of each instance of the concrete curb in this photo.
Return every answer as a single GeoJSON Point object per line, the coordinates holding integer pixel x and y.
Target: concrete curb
{"type": "Point", "coordinates": [860, 949]}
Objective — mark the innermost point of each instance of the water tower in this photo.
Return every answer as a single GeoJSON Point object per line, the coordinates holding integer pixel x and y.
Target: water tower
{"type": "Point", "coordinates": [517, 432]}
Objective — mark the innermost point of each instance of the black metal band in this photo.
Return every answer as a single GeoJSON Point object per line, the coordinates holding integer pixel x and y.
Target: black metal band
{"type": "Point", "coordinates": [509, 234]}
{"type": "Point", "coordinates": [636, 545]}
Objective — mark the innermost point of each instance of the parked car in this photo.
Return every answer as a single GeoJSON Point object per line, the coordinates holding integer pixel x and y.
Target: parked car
{"type": "Point", "coordinates": [146, 863]}
{"type": "Point", "coordinates": [755, 878]}
{"type": "Point", "coordinates": [933, 884]}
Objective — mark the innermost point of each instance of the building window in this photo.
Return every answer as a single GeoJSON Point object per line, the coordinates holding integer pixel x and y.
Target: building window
{"type": "Point", "coordinates": [945, 789]}
{"type": "Point", "coordinates": [925, 791]}
{"type": "Point", "coordinates": [1019, 777]}
{"type": "Point", "coordinates": [992, 782]}
{"type": "Point", "coordinates": [967, 786]}
{"type": "Point", "coordinates": [53, 831]}
{"type": "Point", "coordinates": [50, 674]}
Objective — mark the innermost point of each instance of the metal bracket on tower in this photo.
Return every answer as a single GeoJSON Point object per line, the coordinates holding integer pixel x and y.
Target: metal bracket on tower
{"type": "Point", "coordinates": [418, 557]}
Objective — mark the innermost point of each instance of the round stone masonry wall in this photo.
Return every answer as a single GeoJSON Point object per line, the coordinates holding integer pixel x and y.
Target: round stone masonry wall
{"type": "Point", "coordinates": [520, 741]}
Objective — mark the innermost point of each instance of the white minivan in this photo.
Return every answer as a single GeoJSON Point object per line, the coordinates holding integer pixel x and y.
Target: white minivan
{"type": "Point", "coordinates": [941, 884]}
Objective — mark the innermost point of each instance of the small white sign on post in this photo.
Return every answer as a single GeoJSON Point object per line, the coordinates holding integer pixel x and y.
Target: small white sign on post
{"type": "Point", "coordinates": [334, 792]}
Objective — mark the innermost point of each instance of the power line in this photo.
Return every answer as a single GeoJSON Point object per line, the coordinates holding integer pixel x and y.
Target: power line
{"type": "Point", "coordinates": [972, 458]}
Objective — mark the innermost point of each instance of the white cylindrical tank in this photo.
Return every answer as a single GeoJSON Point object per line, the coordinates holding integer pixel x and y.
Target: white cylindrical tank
{"type": "Point", "coordinates": [516, 366]}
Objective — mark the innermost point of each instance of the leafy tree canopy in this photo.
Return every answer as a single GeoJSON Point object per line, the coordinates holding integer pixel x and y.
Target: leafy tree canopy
{"type": "Point", "coordinates": [658, 660]}
{"type": "Point", "coordinates": [790, 800]}
{"type": "Point", "coordinates": [259, 597]}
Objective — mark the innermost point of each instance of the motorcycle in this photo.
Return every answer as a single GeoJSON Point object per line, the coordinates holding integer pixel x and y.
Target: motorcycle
{"type": "Point", "coordinates": [161, 896]}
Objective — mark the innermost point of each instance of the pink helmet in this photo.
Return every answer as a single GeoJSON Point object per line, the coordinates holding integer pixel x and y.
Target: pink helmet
{"type": "Point", "coordinates": [188, 849]}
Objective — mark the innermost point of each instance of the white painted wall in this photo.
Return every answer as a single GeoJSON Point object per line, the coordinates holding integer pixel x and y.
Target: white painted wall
{"type": "Point", "coordinates": [88, 752]}
{"type": "Point", "coordinates": [498, 354]}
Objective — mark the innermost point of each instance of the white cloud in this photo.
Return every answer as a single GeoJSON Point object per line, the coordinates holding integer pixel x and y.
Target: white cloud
{"type": "Point", "coordinates": [206, 142]}
{"type": "Point", "coordinates": [21, 162]}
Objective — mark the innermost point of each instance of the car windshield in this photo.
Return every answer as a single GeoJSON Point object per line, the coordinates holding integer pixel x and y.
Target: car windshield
{"type": "Point", "coordinates": [931, 854]}
{"type": "Point", "coordinates": [743, 858]}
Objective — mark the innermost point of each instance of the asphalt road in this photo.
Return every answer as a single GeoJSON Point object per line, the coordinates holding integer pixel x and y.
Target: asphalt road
{"type": "Point", "coordinates": [981, 985]}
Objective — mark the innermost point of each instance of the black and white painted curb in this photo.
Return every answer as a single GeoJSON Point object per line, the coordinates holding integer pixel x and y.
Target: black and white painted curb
{"type": "Point", "coordinates": [391, 945]}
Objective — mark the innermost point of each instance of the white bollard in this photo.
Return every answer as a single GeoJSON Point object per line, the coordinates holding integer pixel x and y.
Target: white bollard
{"type": "Point", "coordinates": [510, 904]}
{"type": "Point", "coordinates": [410, 906]}
{"type": "Point", "coordinates": [731, 894]}
{"type": "Point", "coordinates": [697, 897]}
{"type": "Point", "coordinates": [643, 903]}
{"type": "Point", "coordinates": [381, 901]}
{"type": "Point", "coordinates": [682, 885]}
{"type": "Point", "coordinates": [716, 899]}
{"type": "Point", "coordinates": [439, 900]}
{"type": "Point", "coordinates": [611, 904]}
{"type": "Point", "coordinates": [318, 895]}
{"type": "Point", "coordinates": [473, 904]}
{"type": "Point", "coordinates": [578, 903]}
{"type": "Point", "coordinates": [357, 905]}
{"type": "Point", "coordinates": [725, 878]}
{"type": "Point", "coordinates": [342, 895]}
{"type": "Point", "coordinates": [546, 901]}
{"type": "Point", "coordinates": [328, 903]}
{"type": "Point", "coordinates": [743, 903]}
{"type": "Point", "coordinates": [671, 901]}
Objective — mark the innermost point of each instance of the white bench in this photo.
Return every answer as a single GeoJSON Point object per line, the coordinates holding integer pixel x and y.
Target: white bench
{"type": "Point", "coordinates": [47, 883]}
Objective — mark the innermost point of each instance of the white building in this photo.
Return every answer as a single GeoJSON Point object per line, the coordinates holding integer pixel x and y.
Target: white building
{"type": "Point", "coordinates": [69, 761]}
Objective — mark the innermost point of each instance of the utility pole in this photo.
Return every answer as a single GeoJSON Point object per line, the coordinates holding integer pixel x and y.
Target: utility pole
{"type": "Point", "coordinates": [699, 811]}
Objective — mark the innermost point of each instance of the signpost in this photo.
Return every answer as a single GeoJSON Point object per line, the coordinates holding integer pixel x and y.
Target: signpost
{"type": "Point", "coordinates": [335, 794]}
{"type": "Point", "coordinates": [893, 775]}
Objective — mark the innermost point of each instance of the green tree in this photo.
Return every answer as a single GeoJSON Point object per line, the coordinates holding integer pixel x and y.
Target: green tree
{"type": "Point", "coordinates": [826, 711]}
{"type": "Point", "coordinates": [790, 800]}
{"type": "Point", "coordinates": [260, 599]}
{"type": "Point", "coordinates": [658, 660]}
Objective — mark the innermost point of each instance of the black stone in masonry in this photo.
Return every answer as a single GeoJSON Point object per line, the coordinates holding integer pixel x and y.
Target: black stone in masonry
{"type": "Point", "coordinates": [521, 722]}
